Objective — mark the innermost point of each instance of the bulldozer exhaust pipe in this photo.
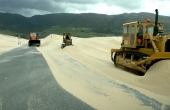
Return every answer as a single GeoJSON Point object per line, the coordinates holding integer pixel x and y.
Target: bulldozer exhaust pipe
{"type": "Point", "coordinates": [155, 31]}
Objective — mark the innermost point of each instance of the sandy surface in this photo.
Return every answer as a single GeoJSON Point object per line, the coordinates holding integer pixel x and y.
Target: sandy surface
{"type": "Point", "coordinates": [87, 72]}
{"type": "Point", "coordinates": [9, 42]}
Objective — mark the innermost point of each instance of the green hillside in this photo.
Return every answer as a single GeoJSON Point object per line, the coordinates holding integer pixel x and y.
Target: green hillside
{"type": "Point", "coordinates": [82, 25]}
{"type": "Point", "coordinates": [78, 32]}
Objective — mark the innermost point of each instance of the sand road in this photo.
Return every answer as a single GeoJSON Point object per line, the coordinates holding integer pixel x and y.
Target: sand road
{"type": "Point", "coordinates": [86, 71]}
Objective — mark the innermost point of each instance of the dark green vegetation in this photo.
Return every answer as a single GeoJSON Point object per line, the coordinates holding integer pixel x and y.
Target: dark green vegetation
{"type": "Point", "coordinates": [77, 32]}
{"type": "Point", "coordinates": [81, 25]}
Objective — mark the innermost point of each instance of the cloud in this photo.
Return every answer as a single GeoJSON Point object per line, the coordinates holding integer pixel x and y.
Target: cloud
{"type": "Point", "coordinates": [33, 7]}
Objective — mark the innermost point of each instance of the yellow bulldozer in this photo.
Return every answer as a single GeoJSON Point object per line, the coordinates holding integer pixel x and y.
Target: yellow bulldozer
{"type": "Point", "coordinates": [67, 40]}
{"type": "Point", "coordinates": [143, 44]}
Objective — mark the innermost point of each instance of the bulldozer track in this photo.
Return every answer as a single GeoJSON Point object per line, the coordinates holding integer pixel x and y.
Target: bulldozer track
{"type": "Point", "coordinates": [137, 54]}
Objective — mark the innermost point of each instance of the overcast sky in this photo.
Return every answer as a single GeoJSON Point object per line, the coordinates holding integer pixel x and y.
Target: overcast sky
{"type": "Point", "coordinates": [111, 7]}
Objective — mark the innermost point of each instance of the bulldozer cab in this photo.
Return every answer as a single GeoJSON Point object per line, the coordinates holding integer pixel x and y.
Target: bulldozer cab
{"type": "Point", "coordinates": [67, 35]}
{"type": "Point", "coordinates": [135, 32]}
{"type": "Point", "coordinates": [33, 36]}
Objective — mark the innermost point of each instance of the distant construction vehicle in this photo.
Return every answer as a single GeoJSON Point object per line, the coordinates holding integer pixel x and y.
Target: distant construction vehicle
{"type": "Point", "coordinates": [66, 39]}
{"type": "Point", "coordinates": [143, 44]}
{"type": "Point", "coordinates": [33, 39]}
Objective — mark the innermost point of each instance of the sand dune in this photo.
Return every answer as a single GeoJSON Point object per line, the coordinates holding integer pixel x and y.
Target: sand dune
{"type": "Point", "coordinates": [9, 42]}
{"type": "Point", "coordinates": [98, 50]}
{"type": "Point", "coordinates": [88, 65]}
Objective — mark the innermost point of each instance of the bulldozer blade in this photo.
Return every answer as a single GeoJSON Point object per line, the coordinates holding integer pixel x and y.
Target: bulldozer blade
{"type": "Point", "coordinates": [68, 42]}
{"type": "Point", "coordinates": [34, 42]}
{"type": "Point", "coordinates": [159, 56]}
